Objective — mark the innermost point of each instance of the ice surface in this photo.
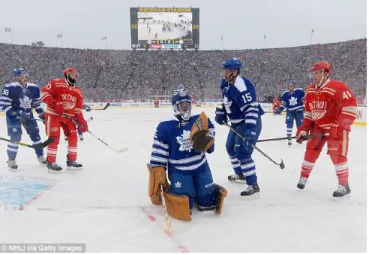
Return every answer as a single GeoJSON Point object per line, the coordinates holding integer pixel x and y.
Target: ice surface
{"type": "Point", "coordinates": [107, 207]}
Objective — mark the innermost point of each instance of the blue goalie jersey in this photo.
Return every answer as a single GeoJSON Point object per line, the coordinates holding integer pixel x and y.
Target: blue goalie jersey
{"type": "Point", "coordinates": [172, 147]}
{"type": "Point", "coordinates": [15, 97]}
{"type": "Point", "coordinates": [293, 101]}
{"type": "Point", "coordinates": [240, 101]}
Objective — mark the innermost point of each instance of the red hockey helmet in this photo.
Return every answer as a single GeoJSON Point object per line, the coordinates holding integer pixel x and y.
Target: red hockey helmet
{"type": "Point", "coordinates": [69, 70]}
{"type": "Point", "coordinates": [322, 65]}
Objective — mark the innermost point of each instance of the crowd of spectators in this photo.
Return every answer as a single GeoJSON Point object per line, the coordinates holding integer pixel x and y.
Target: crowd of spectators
{"type": "Point", "coordinates": [133, 74]}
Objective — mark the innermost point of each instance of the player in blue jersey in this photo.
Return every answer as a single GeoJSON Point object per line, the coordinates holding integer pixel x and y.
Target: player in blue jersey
{"type": "Point", "coordinates": [179, 148]}
{"type": "Point", "coordinates": [17, 100]}
{"type": "Point", "coordinates": [293, 102]}
{"type": "Point", "coordinates": [243, 111]}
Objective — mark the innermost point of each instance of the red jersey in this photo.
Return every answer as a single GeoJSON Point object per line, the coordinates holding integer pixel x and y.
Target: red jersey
{"type": "Point", "coordinates": [276, 103]}
{"type": "Point", "coordinates": [156, 101]}
{"type": "Point", "coordinates": [60, 91]}
{"type": "Point", "coordinates": [333, 102]}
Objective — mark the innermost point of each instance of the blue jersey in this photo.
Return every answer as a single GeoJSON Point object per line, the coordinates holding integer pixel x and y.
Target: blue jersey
{"type": "Point", "coordinates": [15, 97]}
{"type": "Point", "coordinates": [172, 147]}
{"type": "Point", "coordinates": [240, 103]}
{"type": "Point", "coordinates": [293, 101]}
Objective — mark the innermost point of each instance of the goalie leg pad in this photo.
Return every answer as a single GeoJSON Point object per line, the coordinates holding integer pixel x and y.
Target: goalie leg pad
{"type": "Point", "coordinates": [157, 178]}
{"type": "Point", "coordinates": [221, 194]}
{"type": "Point", "coordinates": [178, 206]}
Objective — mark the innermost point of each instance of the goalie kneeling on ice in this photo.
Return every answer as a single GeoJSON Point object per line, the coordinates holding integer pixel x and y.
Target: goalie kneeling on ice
{"type": "Point", "coordinates": [178, 206]}
{"type": "Point", "coordinates": [180, 147]}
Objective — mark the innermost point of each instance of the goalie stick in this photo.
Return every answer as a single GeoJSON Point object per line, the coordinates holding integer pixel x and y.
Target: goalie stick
{"type": "Point", "coordinates": [168, 221]}
{"type": "Point", "coordinates": [281, 165]}
{"type": "Point", "coordinates": [37, 146]}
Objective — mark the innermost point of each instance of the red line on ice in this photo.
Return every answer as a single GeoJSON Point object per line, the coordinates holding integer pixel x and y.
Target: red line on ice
{"type": "Point", "coordinates": [152, 218]}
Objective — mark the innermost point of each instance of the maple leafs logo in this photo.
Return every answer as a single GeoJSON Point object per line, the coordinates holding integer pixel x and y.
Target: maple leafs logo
{"type": "Point", "coordinates": [293, 101]}
{"type": "Point", "coordinates": [184, 141]}
{"type": "Point", "coordinates": [25, 103]}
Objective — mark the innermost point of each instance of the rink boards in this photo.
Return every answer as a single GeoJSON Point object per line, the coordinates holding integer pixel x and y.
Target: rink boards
{"type": "Point", "coordinates": [360, 120]}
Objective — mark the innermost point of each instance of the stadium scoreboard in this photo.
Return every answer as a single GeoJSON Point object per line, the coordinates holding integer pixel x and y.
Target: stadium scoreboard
{"type": "Point", "coordinates": [165, 28]}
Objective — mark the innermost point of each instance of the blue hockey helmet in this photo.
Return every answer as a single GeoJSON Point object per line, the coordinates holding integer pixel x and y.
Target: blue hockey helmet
{"type": "Point", "coordinates": [232, 63]}
{"type": "Point", "coordinates": [181, 102]}
{"type": "Point", "coordinates": [19, 71]}
{"type": "Point", "coordinates": [292, 82]}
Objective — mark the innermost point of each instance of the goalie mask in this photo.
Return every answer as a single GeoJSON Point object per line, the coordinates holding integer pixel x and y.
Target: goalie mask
{"type": "Point", "coordinates": [181, 102]}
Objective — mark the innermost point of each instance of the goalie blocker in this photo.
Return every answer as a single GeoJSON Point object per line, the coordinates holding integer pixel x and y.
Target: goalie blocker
{"type": "Point", "coordinates": [177, 206]}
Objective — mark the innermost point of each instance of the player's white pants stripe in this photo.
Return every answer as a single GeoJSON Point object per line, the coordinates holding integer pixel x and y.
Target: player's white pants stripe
{"type": "Point", "coordinates": [249, 173]}
{"type": "Point", "coordinates": [341, 167]}
{"type": "Point", "coordinates": [248, 167]}
{"type": "Point", "coordinates": [235, 162]}
{"type": "Point", "coordinates": [72, 149]}
{"type": "Point", "coordinates": [308, 164]}
{"type": "Point", "coordinates": [38, 142]}
{"type": "Point", "coordinates": [51, 151]}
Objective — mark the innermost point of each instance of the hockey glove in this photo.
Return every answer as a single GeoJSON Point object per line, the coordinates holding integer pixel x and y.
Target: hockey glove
{"type": "Point", "coordinates": [59, 108]}
{"type": "Point", "coordinates": [82, 123]}
{"type": "Point", "coordinates": [250, 139]}
{"type": "Point", "coordinates": [336, 130]}
{"type": "Point", "coordinates": [220, 115]}
{"type": "Point", "coordinates": [278, 111]}
{"type": "Point", "coordinates": [202, 141]}
{"type": "Point", "coordinates": [42, 117]}
{"type": "Point", "coordinates": [16, 114]}
{"type": "Point", "coordinates": [302, 134]}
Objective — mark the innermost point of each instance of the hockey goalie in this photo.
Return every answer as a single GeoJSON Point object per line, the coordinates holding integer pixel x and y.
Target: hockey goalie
{"type": "Point", "coordinates": [179, 151]}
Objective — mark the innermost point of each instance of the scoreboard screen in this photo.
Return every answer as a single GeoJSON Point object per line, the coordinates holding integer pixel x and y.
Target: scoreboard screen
{"type": "Point", "coordinates": [165, 28]}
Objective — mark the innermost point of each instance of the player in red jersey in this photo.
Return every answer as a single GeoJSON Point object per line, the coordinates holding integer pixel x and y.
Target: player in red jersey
{"type": "Point", "coordinates": [156, 103]}
{"type": "Point", "coordinates": [64, 102]}
{"type": "Point", "coordinates": [276, 103]}
{"type": "Point", "coordinates": [330, 108]}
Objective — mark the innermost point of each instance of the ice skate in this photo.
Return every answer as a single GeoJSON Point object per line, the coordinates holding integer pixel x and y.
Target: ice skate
{"type": "Point", "coordinates": [54, 168]}
{"type": "Point", "coordinates": [240, 178]}
{"type": "Point", "coordinates": [74, 165]}
{"type": "Point", "coordinates": [302, 183]}
{"type": "Point", "coordinates": [12, 165]}
{"type": "Point", "coordinates": [342, 191]}
{"type": "Point", "coordinates": [252, 191]}
{"type": "Point", "coordinates": [42, 160]}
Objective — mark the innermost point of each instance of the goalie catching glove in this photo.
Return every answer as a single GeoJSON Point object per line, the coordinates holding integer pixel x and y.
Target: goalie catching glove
{"type": "Point", "coordinates": [200, 137]}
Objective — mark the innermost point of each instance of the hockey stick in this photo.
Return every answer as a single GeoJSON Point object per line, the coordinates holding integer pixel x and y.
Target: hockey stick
{"type": "Point", "coordinates": [293, 137]}
{"type": "Point", "coordinates": [281, 165]}
{"type": "Point", "coordinates": [168, 221]}
{"type": "Point", "coordinates": [103, 109]}
{"type": "Point", "coordinates": [102, 141]}
{"type": "Point", "coordinates": [37, 146]}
